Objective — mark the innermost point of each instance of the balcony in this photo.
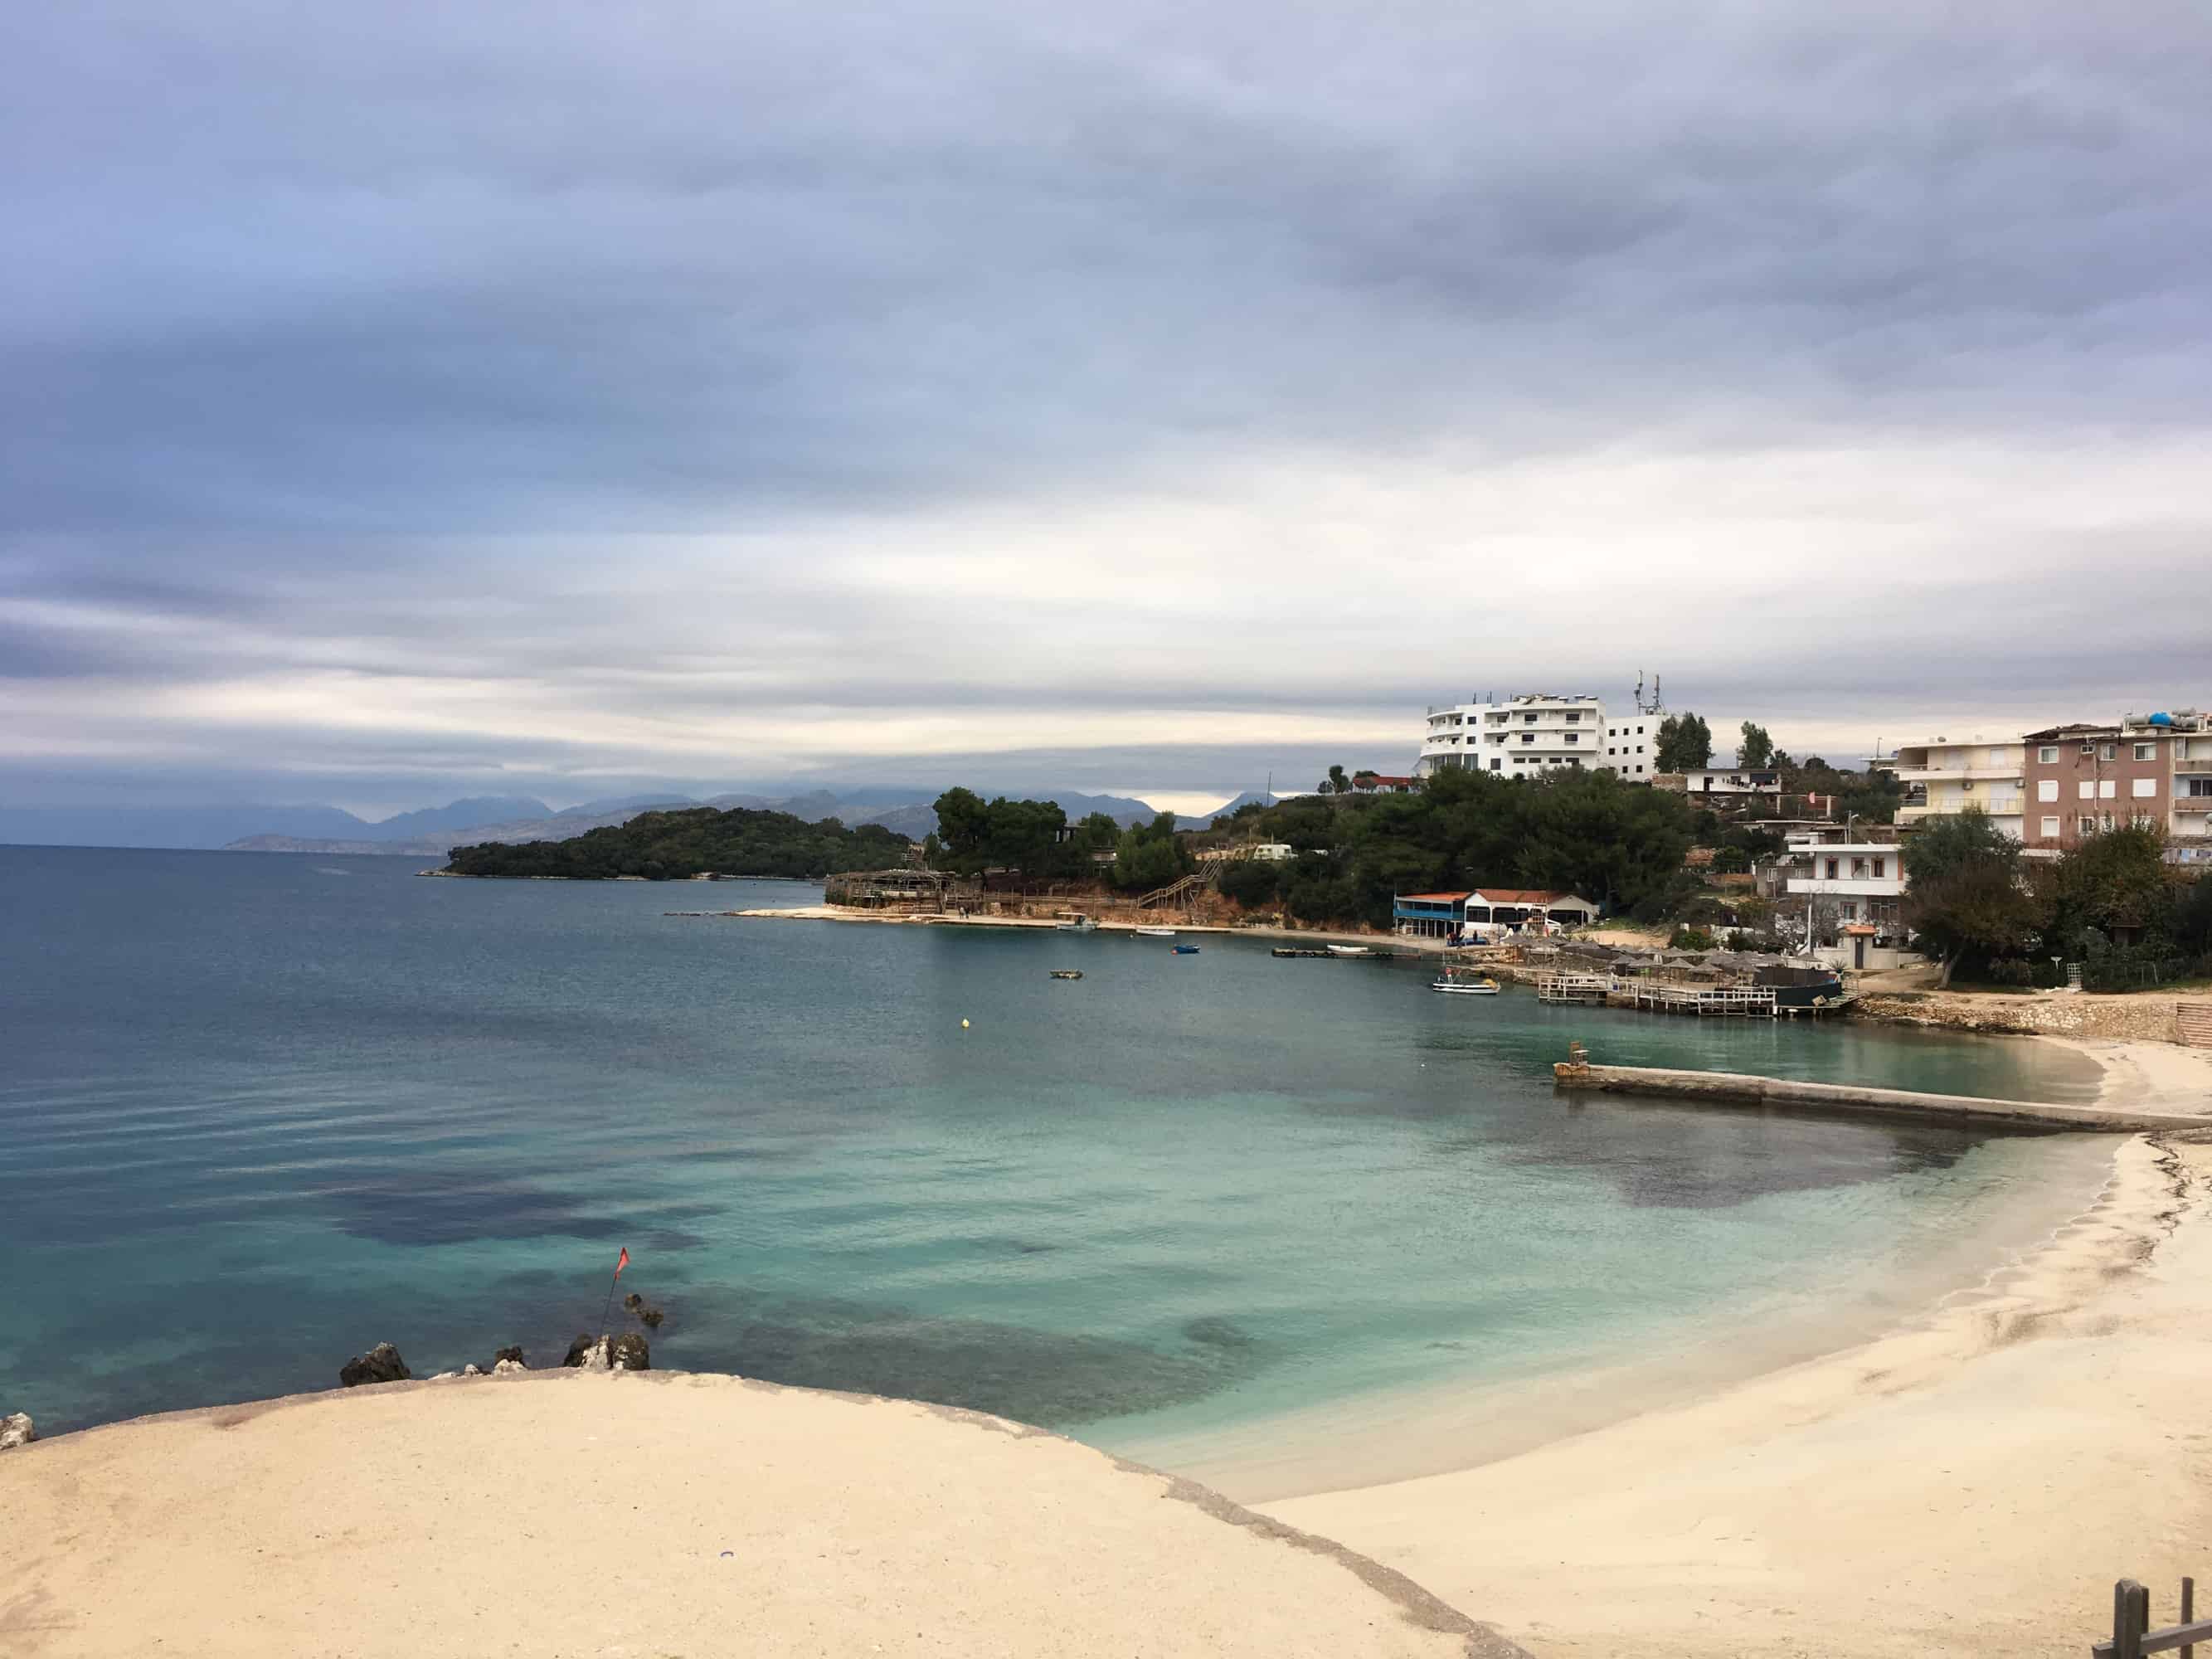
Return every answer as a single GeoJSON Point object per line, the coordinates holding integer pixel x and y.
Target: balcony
{"type": "Point", "coordinates": [1937, 774]}
{"type": "Point", "coordinates": [2198, 768]}
{"type": "Point", "coordinates": [1891, 886]}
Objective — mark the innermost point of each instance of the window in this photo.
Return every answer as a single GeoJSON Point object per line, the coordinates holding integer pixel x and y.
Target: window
{"type": "Point", "coordinates": [1639, 768]}
{"type": "Point", "coordinates": [2050, 828]}
{"type": "Point", "coordinates": [1529, 720]}
{"type": "Point", "coordinates": [2046, 789]}
{"type": "Point", "coordinates": [2089, 790]}
{"type": "Point", "coordinates": [1530, 736]}
{"type": "Point", "coordinates": [1574, 736]}
{"type": "Point", "coordinates": [1639, 731]}
{"type": "Point", "coordinates": [2110, 752]}
{"type": "Point", "coordinates": [1573, 714]}
{"type": "Point", "coordinates": [1832, 869]}
{"type": "Point", "coordinates": [1495, 763]}
{"type": "Point", "coordinates": [1881, 865]}
{"type": "Point", "coordinates": [2047, 754]}
{"type": "Point", "coordinates": [2146, 788]}
{"type": "Point", "coordinates": [1858, 869]}
{"type": "Point", "coordinates": [2146, 752]}
{"type": "Point", "coordinates": [1996, 757]}
{"type": "Point", "coordinates": [2107, 788]}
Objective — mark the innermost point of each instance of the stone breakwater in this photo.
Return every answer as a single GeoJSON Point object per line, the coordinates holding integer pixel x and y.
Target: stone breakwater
{"type": "Point", "coordinates": [1742, 1090]}
{"type": "Point", "coordinates": [2124, 1019]}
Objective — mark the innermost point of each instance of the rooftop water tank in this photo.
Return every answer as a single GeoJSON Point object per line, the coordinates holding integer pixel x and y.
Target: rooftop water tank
{"type": "Point", "coordinates": [2161, 719]}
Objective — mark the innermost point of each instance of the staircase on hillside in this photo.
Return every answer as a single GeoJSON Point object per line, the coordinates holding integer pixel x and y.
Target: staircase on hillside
{"type": "Point", "coordinates": [1181, 892]}
{"type": "Point", "coordinates": [2193, 1024]}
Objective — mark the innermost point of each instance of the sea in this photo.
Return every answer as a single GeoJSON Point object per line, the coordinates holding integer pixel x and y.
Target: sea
{"type": "Point", "coordinates": [259, 1112]}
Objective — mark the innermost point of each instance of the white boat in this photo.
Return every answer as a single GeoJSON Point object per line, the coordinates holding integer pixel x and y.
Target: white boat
{"type": "Point", "coordinates": [1462, 982]}
{"type": "Point", "coordinates": [1347, 950]}
{"type": "Point", "coordinates": [1076, 924]}
{"type": "Point", "coordinates": [1156, 933]}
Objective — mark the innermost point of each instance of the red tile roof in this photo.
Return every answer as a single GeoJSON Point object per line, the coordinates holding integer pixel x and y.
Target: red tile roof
{"type": "Point", "coordinates": [1523, 896]}
{"type": "Point", "coordinates": [1437, 898]}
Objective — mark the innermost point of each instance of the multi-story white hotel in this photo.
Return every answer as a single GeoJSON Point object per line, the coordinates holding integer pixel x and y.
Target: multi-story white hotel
{"type": "Point", "coordinates": [1527, 734]}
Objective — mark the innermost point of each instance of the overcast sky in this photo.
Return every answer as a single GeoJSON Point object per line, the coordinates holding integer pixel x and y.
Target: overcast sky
{"type": "Point", "coordinates": [407, 400]}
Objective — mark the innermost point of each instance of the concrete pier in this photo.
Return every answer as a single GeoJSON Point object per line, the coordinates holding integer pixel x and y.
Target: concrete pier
{"type": "Point", "coordinates": [1740, 1090]}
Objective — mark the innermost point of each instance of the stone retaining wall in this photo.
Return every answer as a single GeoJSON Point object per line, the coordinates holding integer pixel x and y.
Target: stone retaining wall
{"type": "Point", "coordinates": [2127, 1018]}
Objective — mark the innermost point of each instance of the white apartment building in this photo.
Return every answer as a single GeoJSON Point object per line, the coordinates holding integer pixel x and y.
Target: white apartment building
{"type": "Point", "coordinates": [1533, 732]}
{"type": "Point", "coordinates": [1942, 777]}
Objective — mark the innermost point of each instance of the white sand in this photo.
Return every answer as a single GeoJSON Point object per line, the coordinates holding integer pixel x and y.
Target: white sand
{"type": "Point", "coordinates": [2156, 1076]}
{"type": "Point", "coordinates": [654, 1515]}
{"type": "Point", "coordinates": [1972, 1484]}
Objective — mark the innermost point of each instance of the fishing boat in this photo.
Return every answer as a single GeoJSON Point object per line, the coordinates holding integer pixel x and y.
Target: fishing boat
{"type": "Point", "coordinates": [1186, 950]}
{"type": "Point", "coordinates": [1077, 923]}
{"type": "Point", "coordinates": [1067, 973]}
{"type": "Point", "coordinates": [1464, 982]}
{"type": "Point", "coordinates": [1347, 950]}
{"type": "Point", "coordinates": [1156, 933]}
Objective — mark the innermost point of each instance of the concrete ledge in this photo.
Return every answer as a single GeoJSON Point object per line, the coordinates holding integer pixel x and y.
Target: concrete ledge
{"type": "Point", "coordinates": [1741, 1090]}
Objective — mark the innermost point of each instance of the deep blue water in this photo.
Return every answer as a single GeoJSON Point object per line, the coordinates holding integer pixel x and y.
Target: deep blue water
{"type": "Point", "coordinates": [257, 1112]}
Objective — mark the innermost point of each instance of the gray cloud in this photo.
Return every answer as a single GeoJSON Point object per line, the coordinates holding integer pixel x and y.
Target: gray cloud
{"type": "Point", "coordinates": [522, 393]}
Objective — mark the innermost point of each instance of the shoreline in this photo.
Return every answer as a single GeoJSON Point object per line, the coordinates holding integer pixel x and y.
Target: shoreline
{"type": "Point", "coordinates": [2001, 1458]}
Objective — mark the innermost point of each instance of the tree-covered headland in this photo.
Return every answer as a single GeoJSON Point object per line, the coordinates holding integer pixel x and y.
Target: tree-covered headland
{"type": "Point", "coordinates": [697, 841]}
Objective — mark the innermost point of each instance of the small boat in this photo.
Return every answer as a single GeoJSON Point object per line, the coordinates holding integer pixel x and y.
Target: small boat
{"type": "Point", "coordinates": [1067, 973]}
{"type": "Point", "coordinates": [1347, 950]}
{"type": "Point", "coordinates": [1463, 983]}
{"type": "Point", "coordinates": [1156, 933]}
{"type": "Point", "coordinates": [1077, 923]}
{"type": "Point", "coordinates": [1185, 949]}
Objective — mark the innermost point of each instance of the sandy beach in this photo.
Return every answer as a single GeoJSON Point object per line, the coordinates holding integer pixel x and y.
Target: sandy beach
{"type": "Point", "coordinates": [1972, 1482]}
{"type": "Point", "coordinates": [660, 1514]}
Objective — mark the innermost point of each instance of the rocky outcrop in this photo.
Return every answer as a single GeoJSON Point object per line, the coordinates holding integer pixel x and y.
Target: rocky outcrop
{"type": "Point", "coordinates": [381, 1363]}
{"type": "Point", "coordinates": [509, 1368]}
{"type": "Point", "coordinates": [16, 1431]}
{"type": "Point", "coordinates": [627, 1353]}
{"type": "Point", "coordinates": [506, 1354]}
{"type": "Point", "coordinates": [473, 1370]}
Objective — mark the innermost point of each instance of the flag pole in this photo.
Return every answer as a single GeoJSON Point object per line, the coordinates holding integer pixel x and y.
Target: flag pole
{"type": "Point", "coordinates": [621, 1262]}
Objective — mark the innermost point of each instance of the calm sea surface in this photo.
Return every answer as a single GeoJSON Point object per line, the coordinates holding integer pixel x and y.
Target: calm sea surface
{"type": "Point", "coordinates": [257, 1112]}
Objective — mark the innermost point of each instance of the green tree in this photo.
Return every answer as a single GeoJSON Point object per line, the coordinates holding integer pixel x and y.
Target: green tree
{"type": "Point", "coordinates": [1686, 743]}
{"type": "Point", "coordinates": [1964, 894]}
{"type": "Point", "coordinates": [1150, 855]}
{"type": "Point", "coordinates": [2109, 888]}
{"type": "Point", "coordinates": [1756, 752]}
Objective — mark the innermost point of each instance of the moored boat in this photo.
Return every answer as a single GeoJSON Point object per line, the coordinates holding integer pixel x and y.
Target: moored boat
{"type": "Point", "coordinates": [1077, 923]}
{"type": "Point", "coordinates": [1347, 950]}
{"type": "Point", "coordinates": [1067, 973]}
{"type": "Point", "coordinates": [1463, 983]}
{"type": "Point", "coordinates": [1185, 949]}
{"type": "Point", "coordinates": [1156, 933]}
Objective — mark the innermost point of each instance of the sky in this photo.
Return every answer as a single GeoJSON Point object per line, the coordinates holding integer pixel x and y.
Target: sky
{"type": "Point", "coordinates": [412, 401]}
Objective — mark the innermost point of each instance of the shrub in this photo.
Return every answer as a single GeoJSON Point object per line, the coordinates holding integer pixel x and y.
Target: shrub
{"type": "Point", "coordinates": [1692, 938]}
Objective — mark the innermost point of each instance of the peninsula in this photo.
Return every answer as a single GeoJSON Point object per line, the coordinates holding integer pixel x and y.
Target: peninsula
{"type": "Point", "coordinates": [694, 841]}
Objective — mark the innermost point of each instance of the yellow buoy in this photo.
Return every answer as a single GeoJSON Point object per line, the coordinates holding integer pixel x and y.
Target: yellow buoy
{"type": "Point", "coordinates": [964, 1024]}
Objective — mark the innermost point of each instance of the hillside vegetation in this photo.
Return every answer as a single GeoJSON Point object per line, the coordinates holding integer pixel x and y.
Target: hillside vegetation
{"type": "Point", "coordinates": [669, 846]}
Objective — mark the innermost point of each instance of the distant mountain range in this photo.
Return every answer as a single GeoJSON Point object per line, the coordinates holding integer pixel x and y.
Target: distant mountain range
{"type": "Point", "coordinates": [431, 832]}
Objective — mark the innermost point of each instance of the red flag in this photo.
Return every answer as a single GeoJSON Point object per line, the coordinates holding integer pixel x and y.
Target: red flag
{"type": "Point", "coordinates": [622, 1261]}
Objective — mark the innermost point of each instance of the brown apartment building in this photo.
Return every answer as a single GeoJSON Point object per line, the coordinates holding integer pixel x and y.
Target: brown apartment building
{"type": "Point", "coordinates": [2154, 770]}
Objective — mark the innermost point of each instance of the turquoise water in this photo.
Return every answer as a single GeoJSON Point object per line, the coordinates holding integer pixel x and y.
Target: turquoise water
{"type": "Point", "coordinates": [260, 1111]}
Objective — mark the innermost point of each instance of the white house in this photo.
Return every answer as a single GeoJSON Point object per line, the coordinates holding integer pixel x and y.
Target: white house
{"type": "Point", "coordinates": [1534, 733]}
{"type": "Point", "coordinates": [1732, 783]}
{"type": "Point", "coordinates": [1852, 893]}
